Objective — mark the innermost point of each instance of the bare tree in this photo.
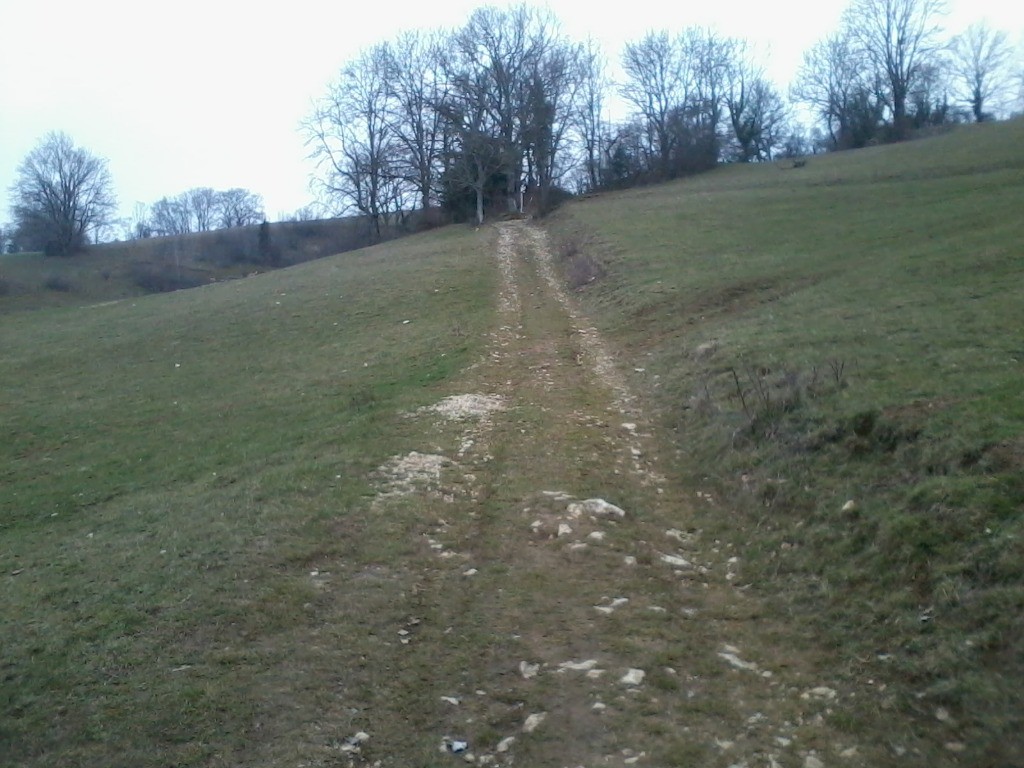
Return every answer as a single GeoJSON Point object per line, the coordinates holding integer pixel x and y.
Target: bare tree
{"type": "Point", "coordinates": [473, 146]}
{"type": "Point", "coordinates": [238, 208]}
{"type": "Point", "coordinates": [61, 193]}
{"type": "Point", "coordinates": [553, 85]}
{"type": "Point", "coordinates": [899, 38]}
{"type": "Point", "coordinates": [658, 81]}
{"type": "Point", "coordinates": [979, 59]}
{"type": "Point", "coordinates": [415, 88]}
{"type": "Point", "coordinates": [756, 111]}
{"type": "Point", "coordinates": [172, 215]}
{"type": "Point", "coordinates": [354, 142]}
{"type": "Point", "coordinates": [587, 119]}
{"type": "Point", "coordinates": [835, 83]}
{"type": "Point", "coordinates": [711, 60]}
{"type": "Point", "coordinates": [202, 204]}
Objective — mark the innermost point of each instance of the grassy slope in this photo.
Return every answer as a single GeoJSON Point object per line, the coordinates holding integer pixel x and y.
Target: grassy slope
{"type": "Point", "coordinates": [136, 267]}
{"type": "Point", "coordinates": [869, 308]}
{"type": "Point", "coordinates": [171, 465]}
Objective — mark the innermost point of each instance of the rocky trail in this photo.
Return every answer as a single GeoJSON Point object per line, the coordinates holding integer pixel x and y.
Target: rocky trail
{"type": "Point", "coordinates": [559, 608]}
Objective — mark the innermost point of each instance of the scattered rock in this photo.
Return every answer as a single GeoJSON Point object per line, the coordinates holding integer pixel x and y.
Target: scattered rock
{"type": "Point", "coordinates": [596, 535]}
{"type": "Point", "coordinates": [533, 721]}
{"type": "Point", "coordinates": [354, 743]}
{"type": "Point", "coordinates": [629, 560]}
{"type": "Point", "coordinates": [943, 716]}
{"type": "Point", "coordinates": [955, 746]}
{"type": "Point", "coordinates": [706, 350]}
{"type": "Point", "coordinates": [812, 761]}
{"type": "Point", "coordinates": [564, 529]}
{"type": "Point", "coordinates": [461, 407]}
{"type": "Point", "coordinates": [848, 753]}
{"type": "Point", "coordinates": [455, 746]}
{"type": "Point", "coordinates": [821, 692]}
{"type": "Point", "coordinates": [676, 561]}
{"type": "Point", "coordinates": [731, 655]}
{"type": "Point", "coordinates": [596, 507]}
{"type": "Point", "coordinates": [633, 677]}
{"type": "Point", "coordinates": [504, 744]}
{"type": "Point", "coordinates": [528, 670]}
{"type": "Point", "coordinates": [850, 506]}
{"type": "Point", "coordinates": [470, 572]}
{"type": "Point", "coordinates": [578, 666]}
{"type": "Point", "coordinates": [598, 706]}
{"type": "Point", "coordinates": [451, 700]}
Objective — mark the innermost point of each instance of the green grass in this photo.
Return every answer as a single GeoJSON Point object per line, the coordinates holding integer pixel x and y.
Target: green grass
{"type": "Point", "coordinates": [174, 466]}
{"type": "Point", "coordinates": [868, 307]}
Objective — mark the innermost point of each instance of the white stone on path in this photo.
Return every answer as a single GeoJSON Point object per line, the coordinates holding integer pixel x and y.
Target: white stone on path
{"type": "Point", "coordinates": [533, 721]}
{"type": "Point", "coordinates": [633, 677]}
{"type": "Point", "coordinates": [821, 692]}
{"type": "Point", "coordinates": [528, 670]}
{"type": "Point", "coordinates": [578, 666]}
{"type": "Point", "coordinates": [676, 561]}
{"type": "Point", "coordinates": [596, 507]}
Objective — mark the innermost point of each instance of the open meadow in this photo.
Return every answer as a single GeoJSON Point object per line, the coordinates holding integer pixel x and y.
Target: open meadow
{"type": "Point", "coordinates": [338, 514]}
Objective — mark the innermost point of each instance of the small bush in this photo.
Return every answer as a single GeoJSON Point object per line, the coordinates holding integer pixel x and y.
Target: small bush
{"type": "Point", "coordinates": [153, 279]}
{"type": "Point", "coordinates": [580, 268]}
{"type": "Point", "coordinates": [57, 283]}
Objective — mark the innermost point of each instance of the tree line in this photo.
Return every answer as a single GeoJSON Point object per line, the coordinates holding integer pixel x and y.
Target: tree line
{"type": "Point", "coordinates": [64, 197]}
{"type": "Point", "coordinates": [506, 112]}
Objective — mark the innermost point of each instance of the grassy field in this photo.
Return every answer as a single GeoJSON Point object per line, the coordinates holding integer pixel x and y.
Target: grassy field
{"type": "Point", "coordinates": [172, 465]}
{"type": "Point", "coordinates": [839, 349]}
{"type": "Point", "coordinates": [196, 570]}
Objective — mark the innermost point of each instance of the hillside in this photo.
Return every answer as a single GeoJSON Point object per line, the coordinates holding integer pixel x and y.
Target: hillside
{"type": "Point", "coordinates": [720, 472]}
{"type": "Point", "coordinates": [837, 349]}
{"type": "Point", "coordinates": [114, 271]}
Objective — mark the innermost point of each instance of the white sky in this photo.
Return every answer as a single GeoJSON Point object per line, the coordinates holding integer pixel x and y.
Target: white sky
{"type": "Point", "coordinates": [211, 92]}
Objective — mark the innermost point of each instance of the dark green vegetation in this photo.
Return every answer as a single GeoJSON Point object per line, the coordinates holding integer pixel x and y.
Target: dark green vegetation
{"type": "Point", "coordinates": [171, 465]}
{"type": "Point", "coordinates": [848, 331]}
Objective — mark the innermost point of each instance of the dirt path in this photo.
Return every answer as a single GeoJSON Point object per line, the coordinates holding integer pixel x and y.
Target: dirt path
{"type": "Point", "coordinates": [563, 611]}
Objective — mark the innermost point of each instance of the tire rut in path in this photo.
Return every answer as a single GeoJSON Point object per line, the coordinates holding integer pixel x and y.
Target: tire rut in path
{"type": "Point", "coordinates": [557, 629]}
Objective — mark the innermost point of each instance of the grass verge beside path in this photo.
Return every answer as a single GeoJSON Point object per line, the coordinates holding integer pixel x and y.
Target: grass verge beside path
{"type": "Point", "coordinates": [173, 467]}
{"type": "Point", "coordinates": [838, 348]}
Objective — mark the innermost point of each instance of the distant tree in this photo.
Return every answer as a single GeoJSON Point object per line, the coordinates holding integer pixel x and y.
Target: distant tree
{"type": "Point", "coordinates": [238, 208]}
{"type": "Point", "coordinates": [203, 204]}
{"type": "Point", "coordinates": [416, 85]}
{"type": "Point", "coordinates": [587, 117]}
{"type": "Point", "coordinates": [658, 81]}
{"type": "Point", "coordinates": [979, 63]}
{"type": "Point", "coordinates": [712, 61]}
{"type": "Point", "coordinates": [353, 140]}
{"type": "Point", "coordinates": [756, 110]}
{"type": "Point", "coordinates": [172, 215]}
{"type": "Point", "coordinates": [61, 193]}
{"type": "Point", "coordinates": [835, 81]}
{"type": "Point", "coordinates": [899, 39]}
{"type": "Point", "coordinates": [139, 226]}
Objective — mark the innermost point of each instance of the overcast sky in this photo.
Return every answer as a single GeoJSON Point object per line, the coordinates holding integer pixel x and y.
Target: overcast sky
{"type": "Point", "coordinates": [211, 92]}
